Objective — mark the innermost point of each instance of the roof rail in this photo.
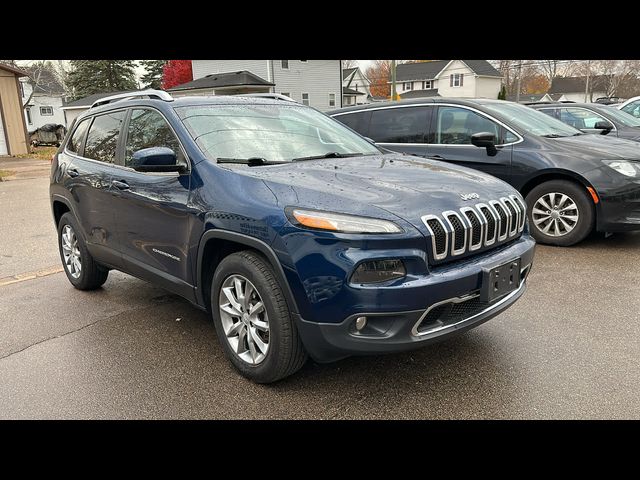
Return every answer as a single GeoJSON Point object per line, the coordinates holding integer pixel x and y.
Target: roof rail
{"type": "Point", "coordinates": [150, 93]}
{"type": "Point", "coordinates": [275, 96]}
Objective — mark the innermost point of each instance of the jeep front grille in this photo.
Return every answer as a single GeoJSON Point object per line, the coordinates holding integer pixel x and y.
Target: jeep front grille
{"type": "Point", "coordinates": [454, 233]}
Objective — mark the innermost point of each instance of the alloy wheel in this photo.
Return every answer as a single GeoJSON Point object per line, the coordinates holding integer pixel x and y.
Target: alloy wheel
{"type": "Point", "coordinates": [71, 252]}
{"type": "Point", "coordinates": [555, 214]}
{"type": "Point", "coordinates": [244, 319]}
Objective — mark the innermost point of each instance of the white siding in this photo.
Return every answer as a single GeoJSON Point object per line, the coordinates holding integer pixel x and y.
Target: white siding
{"type": "Point", "coordinates": [72, 115]}
{"type": "Point", "coordinates": [202, 68]}
{"type": "Point", "coordinates": [468, 88]}
{"type": "Point", "coordinates": [487, 87]}
{"type": "Point", "coordinates": [41, 100]}
{"type": "Point", "coordinates": [318, 78]}
{"type": "Point", "coordinates": [359, 81]}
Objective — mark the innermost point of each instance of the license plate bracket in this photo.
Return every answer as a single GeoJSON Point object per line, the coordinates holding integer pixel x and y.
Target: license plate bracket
{"type": "Point", "coordinates": [500, 280]}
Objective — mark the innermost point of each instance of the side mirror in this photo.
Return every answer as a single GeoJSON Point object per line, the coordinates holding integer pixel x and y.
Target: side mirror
{"type": "Point", "coordinates": [155, 159]}
{"type": "Point", "coordinates": [604, 126]}
{"type": "Point", "coordinates": [486, 140]}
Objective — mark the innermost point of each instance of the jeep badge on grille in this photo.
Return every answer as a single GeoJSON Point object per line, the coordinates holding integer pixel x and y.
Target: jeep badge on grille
{"type": "Point", "coordinates": [469, 196]}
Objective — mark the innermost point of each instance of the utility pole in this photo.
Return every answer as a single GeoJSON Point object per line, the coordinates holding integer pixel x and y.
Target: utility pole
{"type": "Point", "coordinates": [518, 81]}
{"type": "Point", "coordinates": [393, 80]}
{"type": "Point", "coordinates": [586, 88]}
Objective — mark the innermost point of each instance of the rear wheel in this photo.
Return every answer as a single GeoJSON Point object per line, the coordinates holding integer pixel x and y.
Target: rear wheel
{"type": "Point", "coordinates": [82, 270]}
{"type": "Point", "coordinates": [252, 319]}
{"type": "Point", "coordinates": [560, 213]}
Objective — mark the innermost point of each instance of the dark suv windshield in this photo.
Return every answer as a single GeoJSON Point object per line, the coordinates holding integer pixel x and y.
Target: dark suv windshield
{"type": "Point", "coordinates": [531, 121]}
{"type": "Point", "coordinates": [273, 132]}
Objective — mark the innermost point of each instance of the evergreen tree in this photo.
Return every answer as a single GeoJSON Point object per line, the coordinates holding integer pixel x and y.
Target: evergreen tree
{"type": "Point", "coordinates": [503, 93]}
{"type": "Point", "coordinates": [153, 73]}
{"type": "Point", "coordinates": [101, 76]}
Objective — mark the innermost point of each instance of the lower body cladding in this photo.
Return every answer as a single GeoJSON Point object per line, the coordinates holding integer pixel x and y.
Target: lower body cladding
{"type": "Point", "coordinates": [454, 309]}
{"type": "Point", "coordinates": [618, 208]}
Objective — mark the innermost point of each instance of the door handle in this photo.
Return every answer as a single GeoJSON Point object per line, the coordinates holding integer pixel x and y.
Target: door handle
{"type": "Point", "coordinates": [73, 173]}
{"type": "Point", "coordinates": [120, 185]}
{"type": "Point", "coordinates": [436, 157]}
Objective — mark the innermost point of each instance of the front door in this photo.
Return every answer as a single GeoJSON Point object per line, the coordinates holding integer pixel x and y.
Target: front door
{"type": "Point", "coordinates": [450, 141]}
{"type": "Point", "coordinates": [152, 218]}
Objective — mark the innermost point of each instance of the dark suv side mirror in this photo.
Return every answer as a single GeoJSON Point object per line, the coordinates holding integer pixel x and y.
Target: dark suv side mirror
{"type": "Point", "coordinates": [604, 126]}
{"type": "Point", "coordinates": [486, 140]}
{"type": "Point", "coordinates": [155, 159]}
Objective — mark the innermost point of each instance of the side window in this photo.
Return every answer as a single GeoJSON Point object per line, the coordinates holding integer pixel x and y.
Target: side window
{"type": "Point", "coordinates": [357, 121]}
{"type": "Point", "coordinates": [102, 139]}
{"type": "Point", "coordinates": [148, 128]}
{"type": "Point", "coordinates": [509, 137]}
{"type": "Point", "coordinates": [75, 142]}
{"type": "Point", "coordinates": [581, 117]}
{"type": "Point", "coordinates": [399, 125]}
{"type": "Point", "coordinates": [552, 112]}
{"type": "Point", "coordinates": [455, 125]}
{"type": "Point", "coordinates": [633, 108]}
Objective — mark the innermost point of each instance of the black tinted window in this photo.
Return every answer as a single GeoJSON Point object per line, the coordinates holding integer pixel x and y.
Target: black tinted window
{"type": "Point", "coordinates": [455, 125]}
{"type": "Point", "coordinates": [102, 139]}
{"type": "Point", "coordinates": [399, 125]}
{"type": "Point", "coordinates": [78, 135]}
{"type": "Point", "coordinates": [356, 121]}
{"type": "Point", "coordinates": [148, 128]}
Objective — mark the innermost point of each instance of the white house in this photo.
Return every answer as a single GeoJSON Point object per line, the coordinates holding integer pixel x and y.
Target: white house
{"type": "Point", "coordinates": [448, 78]}
{"type": "Point", "coordinates": [312, 82]}
{"type": "Point", "coordinates": [573, 88]}
{"type": "Point", "coordinates": [355, 87]}
{"type": "Point", "coordinates": [45, 105]}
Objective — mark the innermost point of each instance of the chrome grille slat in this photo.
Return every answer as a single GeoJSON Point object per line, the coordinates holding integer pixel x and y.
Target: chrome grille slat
{"type": "Point", "coordinates": [455, 232]}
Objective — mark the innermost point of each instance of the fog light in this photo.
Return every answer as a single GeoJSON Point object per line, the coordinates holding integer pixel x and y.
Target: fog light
{"type": "Point", "coordinates": [377, 271]}
{"type": "Point", "coordinates": [361, 322]}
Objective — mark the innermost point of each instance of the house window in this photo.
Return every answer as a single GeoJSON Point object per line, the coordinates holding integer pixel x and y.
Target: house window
{"type": "Point", "coordinates": [427, 84]}
{"type": "Point", "coordinates": [455, 79]}
{"type": "Point", "coordinates": [332, 99]}
{"type": "Point", "coordinates": [407, 86]}
{"type": "Point", "coordinates": [22, 89]}
{"type": "Point", "coordinates": [285, 64]}
{"type": "Point", "coordinates": [28, 111]}
{"type": "Point", "coordinates": [305, 99]}
{"type": "Point", "coordinates": [303, 61]}
{"type": "Point", "coordinates": [46, 111]}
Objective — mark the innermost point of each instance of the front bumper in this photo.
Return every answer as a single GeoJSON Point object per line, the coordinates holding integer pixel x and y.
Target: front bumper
{"type": "Point", "coordinates": [398, 331]}
{"type": "Point", "coordinates": [618, 209]}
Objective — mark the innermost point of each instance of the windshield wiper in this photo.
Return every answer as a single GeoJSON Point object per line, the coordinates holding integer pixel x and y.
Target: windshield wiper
{"type": "Point", "coordinates": [328, 155]}
{"type": "Point", "coordinates": [252, 162]}
{"type": "Point", "coordinates": [553, 135]}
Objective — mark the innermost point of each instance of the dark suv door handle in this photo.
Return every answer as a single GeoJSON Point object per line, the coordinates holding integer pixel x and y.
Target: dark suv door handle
{"type": "Point", "coordinates": [73, 173]}
{"type": "Point", "coordinates": [120, 185]}
{"type": "Point", "coordinates": [435, 157]}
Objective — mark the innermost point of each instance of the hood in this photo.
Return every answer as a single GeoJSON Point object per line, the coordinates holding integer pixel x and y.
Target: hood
{"type": "Point", "coordinates": [384, 186]}
{"type": "Point", "coordinates": [599, 147]}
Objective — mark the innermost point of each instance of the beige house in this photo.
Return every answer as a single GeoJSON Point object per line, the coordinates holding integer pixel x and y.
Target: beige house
{"type": "Point", "coordinates": [14, 139]}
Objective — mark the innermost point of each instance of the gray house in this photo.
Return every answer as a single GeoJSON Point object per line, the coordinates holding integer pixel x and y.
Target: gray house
{"type": "Point", "coordinates": [317, 83]}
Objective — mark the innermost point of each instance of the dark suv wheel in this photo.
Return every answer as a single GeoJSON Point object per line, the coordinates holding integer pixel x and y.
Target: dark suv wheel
{"type": "Point", "coordinates": [252, 319]}
{"type": "Point", "coordinates": [560, 213]}
{"type": "Point", "coordinates": [81, 269]}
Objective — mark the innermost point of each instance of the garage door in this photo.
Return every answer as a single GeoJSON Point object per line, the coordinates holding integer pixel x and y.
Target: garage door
{"type": "Point", "coordinates": [3, 140]}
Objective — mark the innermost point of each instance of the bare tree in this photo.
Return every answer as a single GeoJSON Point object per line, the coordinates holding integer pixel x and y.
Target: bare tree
{"type": "Point", "coordinates": [349, 63]}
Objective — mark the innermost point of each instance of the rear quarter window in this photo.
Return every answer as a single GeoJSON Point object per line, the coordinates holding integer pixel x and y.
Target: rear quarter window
{"type": "Point", "coordinates": [75, 142]}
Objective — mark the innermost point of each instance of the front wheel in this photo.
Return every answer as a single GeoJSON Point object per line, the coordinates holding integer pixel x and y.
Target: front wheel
{"type": "Point", "coordinates": [252, 319]}
{"type": "Point", "coordinates": [560, 213]}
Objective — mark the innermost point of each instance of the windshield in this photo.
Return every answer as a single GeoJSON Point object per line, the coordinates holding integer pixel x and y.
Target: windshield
{"type": "Point", "coordinates": [623, 117]}
{"type": "Point", "coordinates": [275, 133]}
{"type": "Point", "coordinates": [532, 121]}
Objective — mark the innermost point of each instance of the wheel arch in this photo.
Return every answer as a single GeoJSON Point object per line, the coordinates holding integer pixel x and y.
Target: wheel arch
{"type": "Point", "coordinates": [216, 245]}
{"type": "Point", "coordinates": [555, 174]}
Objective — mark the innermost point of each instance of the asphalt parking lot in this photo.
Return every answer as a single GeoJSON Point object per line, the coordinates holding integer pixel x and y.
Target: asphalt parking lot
{"type": "Point", "coordinates": [570, 348]}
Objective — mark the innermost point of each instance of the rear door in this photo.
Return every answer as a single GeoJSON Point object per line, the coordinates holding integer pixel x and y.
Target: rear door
{"type": "Point", "coordinates": [153, 222]}
{"type": "Point", "coordinates": [450, 140]}
{"type": "Point", "coordinates": [89, 164]}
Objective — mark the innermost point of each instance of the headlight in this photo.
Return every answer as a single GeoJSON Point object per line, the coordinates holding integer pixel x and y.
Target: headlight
{"type": "Point", "coordinates": [338, 222]}
{"type": "Point", "coordinates": [630, 169]}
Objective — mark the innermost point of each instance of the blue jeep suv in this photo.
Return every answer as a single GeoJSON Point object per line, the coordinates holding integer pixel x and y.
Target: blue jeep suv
{"type": "Point", "coordinates": [301, 237]}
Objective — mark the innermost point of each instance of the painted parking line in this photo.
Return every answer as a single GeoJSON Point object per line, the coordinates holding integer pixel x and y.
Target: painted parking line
{"type": "Point", "coordinates": [23, 277]}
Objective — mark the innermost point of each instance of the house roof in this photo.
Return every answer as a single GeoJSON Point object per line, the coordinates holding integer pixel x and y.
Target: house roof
{"type": "Point", "coordinates": [47, 82]}
{"type": "Point", "coordinates": [351, 91]}
{"type": "Point", "coordinates": [228, 79]}
{"type": "Point", "coordinates": [14, 70]}
{"type": "Point", "coordinates": [429, 70]}
{"type": "Point", "coordinates": [348, 71]}
{"type": "Point", "coordinates": [432, 92]}
{"type": "Point", "coordinates": [86, 102]}
{"type": "Point", "coordinates": [577, 84]}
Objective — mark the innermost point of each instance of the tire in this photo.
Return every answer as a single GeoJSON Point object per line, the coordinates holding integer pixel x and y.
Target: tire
{"type": "Point", "coordinates": [581, 218]}
{"type": "Point", "coordinates": [91, 275]}
{"type": "Point", "coordinates": [285, 353]}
